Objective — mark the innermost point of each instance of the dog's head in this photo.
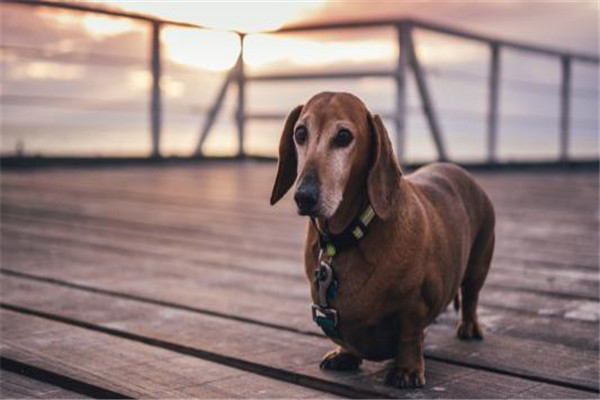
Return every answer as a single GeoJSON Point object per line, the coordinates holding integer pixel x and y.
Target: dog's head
{"type": "Point", "coordinates": [333, 147]}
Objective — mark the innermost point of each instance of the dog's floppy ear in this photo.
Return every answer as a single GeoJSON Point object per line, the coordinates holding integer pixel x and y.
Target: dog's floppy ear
{"type": "Point", "coordinates": [384, 176]}
{"type": "Point", "coordinates": [288, 163]}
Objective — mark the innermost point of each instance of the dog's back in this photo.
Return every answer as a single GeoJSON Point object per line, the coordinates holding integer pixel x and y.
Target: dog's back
{"type": "Point", "coordinates": [452, 191]}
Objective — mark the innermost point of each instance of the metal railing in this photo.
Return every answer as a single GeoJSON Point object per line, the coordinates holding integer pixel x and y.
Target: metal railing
{"type": "Point", "coordinates": [407, 61]}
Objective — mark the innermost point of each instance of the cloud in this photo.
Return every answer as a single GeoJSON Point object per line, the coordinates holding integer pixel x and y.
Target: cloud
{"type": "Point", "coordinates": [46, 70]}
{"type": "Point", "coordinates": [568, 24]}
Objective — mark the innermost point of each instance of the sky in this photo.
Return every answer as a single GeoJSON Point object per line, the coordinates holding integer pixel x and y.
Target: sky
{"type": "Point", "coordinates": [78, 83]}
{"type": "Point", "coordinates": [568, 24]}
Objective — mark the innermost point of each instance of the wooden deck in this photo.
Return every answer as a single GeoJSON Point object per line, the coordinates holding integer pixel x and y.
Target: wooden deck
{"type": "Point", "coordinates": [181, 281]}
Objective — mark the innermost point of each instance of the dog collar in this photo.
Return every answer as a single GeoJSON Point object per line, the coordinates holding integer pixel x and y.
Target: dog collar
{"type": "Point", "coordinates": [334, 244]}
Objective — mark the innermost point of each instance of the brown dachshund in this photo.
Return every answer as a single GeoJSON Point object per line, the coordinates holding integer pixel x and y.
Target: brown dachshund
{"type": "Point", "coordinates": [379, 279]}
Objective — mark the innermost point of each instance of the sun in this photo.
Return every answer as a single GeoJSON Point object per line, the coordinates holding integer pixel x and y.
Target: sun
{"type": "Point", "coordinates": [213, 50]}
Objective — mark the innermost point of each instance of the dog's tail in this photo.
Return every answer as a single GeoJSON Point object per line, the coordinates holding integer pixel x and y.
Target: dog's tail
{"type": "Point", "coordinates": [456, 302]}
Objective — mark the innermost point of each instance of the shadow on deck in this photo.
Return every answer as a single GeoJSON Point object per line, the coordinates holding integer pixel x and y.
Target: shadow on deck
{"type": "Point", "coordinates": [181, 281]}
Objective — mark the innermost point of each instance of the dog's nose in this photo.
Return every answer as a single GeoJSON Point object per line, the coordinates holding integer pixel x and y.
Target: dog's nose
{"type": "Point", "coordinates": [307, 197]}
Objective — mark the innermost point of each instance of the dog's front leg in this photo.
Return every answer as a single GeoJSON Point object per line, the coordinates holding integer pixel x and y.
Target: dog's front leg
{"type": "Point", "coordinates": [408, 369]}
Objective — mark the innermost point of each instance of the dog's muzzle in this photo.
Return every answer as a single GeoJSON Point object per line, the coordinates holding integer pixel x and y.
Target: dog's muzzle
{"type": "Point", "coordinates": [307, 196]}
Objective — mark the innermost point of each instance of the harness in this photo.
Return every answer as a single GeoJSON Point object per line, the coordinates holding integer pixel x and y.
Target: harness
{"type": "Point", "coordinates": [326, 284]}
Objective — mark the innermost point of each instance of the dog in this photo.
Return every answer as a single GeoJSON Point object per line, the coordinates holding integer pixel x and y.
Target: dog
{"type": "Point", "coordinates": [385, 253]}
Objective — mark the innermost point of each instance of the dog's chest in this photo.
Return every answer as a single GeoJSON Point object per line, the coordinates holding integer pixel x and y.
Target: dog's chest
{"type": "Point", "coordinates": [355, 291]}
{"type": "Point", "coordinates": [366, 301]}
{"type": "Point", "coordinates": [361, 325]}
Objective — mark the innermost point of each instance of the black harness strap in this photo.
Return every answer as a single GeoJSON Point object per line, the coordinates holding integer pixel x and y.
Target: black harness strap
{"type": "Point", "coordinates": [325, 316]}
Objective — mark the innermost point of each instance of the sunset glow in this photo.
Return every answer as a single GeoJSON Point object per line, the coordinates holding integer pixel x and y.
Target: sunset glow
{"type": "Point", "coordinates": [264, 49]}
{"type": "Point", "coordinates": [240, 16]}
{"type": "Point", "coordinates": [217, 49]}
{"type": "Point", "coordinates": [98, 25]}
{"type": "Point", "coordinates": [213, 50]}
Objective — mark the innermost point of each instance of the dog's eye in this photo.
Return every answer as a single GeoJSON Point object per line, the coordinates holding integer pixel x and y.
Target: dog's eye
{"type": "Point", "coordinates": [300, 135]}
{"type": "Point", "coordinates": [343, 138]}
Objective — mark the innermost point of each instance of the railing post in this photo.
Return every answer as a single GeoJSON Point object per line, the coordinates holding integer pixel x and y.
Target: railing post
{"type": "Point", "coordinates": [494, 80]}
{"type": "Point", "coordinates": [241, 111]}
{"type": "Point", "coordinates": [426, 99]}
{"type": "Point", "coordinates": [565, 108]}
{"type": "Point", "coordinates": [401, 115]}
{"type": "Point", "coordinates": [155, 103]}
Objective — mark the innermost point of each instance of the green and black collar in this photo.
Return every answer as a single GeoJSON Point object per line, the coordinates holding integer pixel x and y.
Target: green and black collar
{"type": "Point", "coordinates": [332, 245]}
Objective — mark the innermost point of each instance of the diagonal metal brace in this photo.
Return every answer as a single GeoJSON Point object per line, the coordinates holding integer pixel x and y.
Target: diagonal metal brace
{"type": "Point", "coordinates": [214, 111]}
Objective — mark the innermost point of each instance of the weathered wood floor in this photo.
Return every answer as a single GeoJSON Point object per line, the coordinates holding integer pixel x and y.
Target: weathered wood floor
{"type": "Point", "coordinates": [181, 281]}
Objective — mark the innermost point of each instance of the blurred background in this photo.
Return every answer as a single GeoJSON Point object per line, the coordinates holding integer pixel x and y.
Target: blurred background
{"type": "Point", "coordinates": [78, 83]}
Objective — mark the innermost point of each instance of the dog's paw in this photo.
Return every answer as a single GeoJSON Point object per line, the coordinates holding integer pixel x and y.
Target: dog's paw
{"type": "Point", "coordinates": [339, 360]}
{"type": "Point", "coordinates": [469, 330]}
{"type": "Point", "coordinates": [404, 378]}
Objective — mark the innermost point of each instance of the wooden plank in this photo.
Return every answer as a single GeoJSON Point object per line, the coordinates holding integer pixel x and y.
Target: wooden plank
{"type": "Point", "coordinates": [266, 214]}
{"type": "Point", "coordinates": [213, 298]}
{"type": "Point", "coordinates": [577, 367]}
{"type": "Point", "coordinates": [37, 253]}
{"type": "Point", "coordinates": [274, 265]}
{"type": "Point", "coordinates": [129, 367]}
{"type": "Point", "coordinates": [214, 199]}
{"type": "Point", "coordinates": [48, 376]}
{"type": "Point", "coordinates": [292, 253]}
{"type": "Point", "coordinates": [535, 248]}
{"type": "Point", "coordinates": [15, 386]}
{"type": "Point", "coordinates": [570, 285]}
{"type": "Point", "coordinates": [545, 392]}
{"type": "Point", "coordinates": [511, 253]}
{"type": "Point", "coordinates": [223, 339]}
{"type": "Point", "coordinates": [523, 357]}
{"type": "Point", "coordinates": [199, 203]}
{"type": "Point", "coordinates": [130, 214]}
{"type": "Point", "coordinates": [90, 266]}
{"type": "Point", "coordinates": [82, 264]}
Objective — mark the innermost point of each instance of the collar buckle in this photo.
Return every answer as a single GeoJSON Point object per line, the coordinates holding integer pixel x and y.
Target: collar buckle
{"type": "Point", "coordinates": [327, 319]}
